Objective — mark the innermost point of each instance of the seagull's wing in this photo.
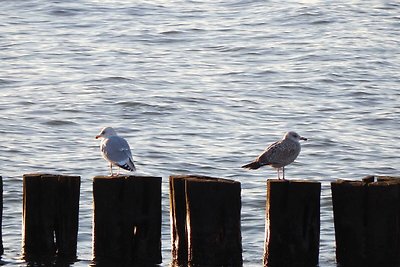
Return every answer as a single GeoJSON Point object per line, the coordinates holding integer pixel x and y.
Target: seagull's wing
{"type": "Point", "coordinates": [116, 150]}
{"type": "Point", "coordinates": [270, 154]}
{"type": "Point", "coordinates": [280, 153]}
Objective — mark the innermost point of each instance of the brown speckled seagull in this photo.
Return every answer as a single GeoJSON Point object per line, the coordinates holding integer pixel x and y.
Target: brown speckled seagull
{"type": "Point", "coordinates": [279, 154]}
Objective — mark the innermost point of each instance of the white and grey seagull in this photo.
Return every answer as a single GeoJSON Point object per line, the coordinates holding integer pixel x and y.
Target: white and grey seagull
{"type": "Point", "coordinates": [279, 154]}
{"type": "Point", "coordinates": [115, 150]}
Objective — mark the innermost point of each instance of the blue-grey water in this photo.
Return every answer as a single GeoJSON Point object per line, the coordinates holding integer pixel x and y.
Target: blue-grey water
{"type": "Point", "coordinates": [197, 87]}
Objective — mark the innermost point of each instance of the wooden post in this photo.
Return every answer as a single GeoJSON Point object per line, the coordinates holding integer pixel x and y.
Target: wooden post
{"type": "Point", "coordinates": [1, 216]}
{"type": "Point", "coordinates": [367, 221]}
{"type": "Point", "coordinates": [127, 220]}
{"type": "Point", "coordinates": [67, 224]}
{"type": "Point", "coordinates": [178, 220]}
{"type": "Point", "coordinates": [205, 221]}
{"type": "Point", "coordinates": [50, 211]}
{"type": "Point", "coordinates": [292, 223]}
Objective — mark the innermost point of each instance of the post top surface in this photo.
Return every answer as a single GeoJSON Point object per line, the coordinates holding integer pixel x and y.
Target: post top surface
{"type": "Point", "coordinates": [202, 178]}
{"type": "Point", "coordinates": [293, 181]}
{"type": "Point", "coordinates": [48, 175]}
{"type": "Point", "coordinates": [121, 177]}
{"type": "Point", "coordinates": [369, 181]}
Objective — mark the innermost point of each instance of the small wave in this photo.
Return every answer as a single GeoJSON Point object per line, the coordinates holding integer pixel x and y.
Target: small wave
{"type": "Point", "coordinates": [26, 103]}
{"type": "Point", "coordinates": [145, 108]}
{"type": "Point", "coordinates": [361, 94]}
{"type": "Point", "coordinates": [171, 32]}
{"type": "Point", "coordinates": [133, 104]}
{"type": "Point", "coordinates": [58, 122]}
{"type": "Point", "coordinates": [112, 79]}
{"type": "Point", "coordinates": [65, 12]}
{"type": "Point", "coordinates": [321, 22]}
{"type": "Point", "coordinates": [6, 81]}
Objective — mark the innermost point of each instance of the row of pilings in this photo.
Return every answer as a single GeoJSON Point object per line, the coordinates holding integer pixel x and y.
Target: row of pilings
{"type": "Point", "coordinates": [205, 215]}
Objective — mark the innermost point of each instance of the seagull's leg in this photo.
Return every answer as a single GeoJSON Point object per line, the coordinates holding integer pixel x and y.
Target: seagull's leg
{"type": "Point", "coordinates": [277, 169]}
{"type": "Point", "coordinates": [111, 173]}
{"type": "Point", "coordinates": [283, 172]}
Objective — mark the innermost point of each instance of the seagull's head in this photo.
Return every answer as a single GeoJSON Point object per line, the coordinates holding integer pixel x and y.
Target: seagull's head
{"type": "Point", "coordinates": [294, 136]}
{"type": "Point", "coordinates": [106, 132]}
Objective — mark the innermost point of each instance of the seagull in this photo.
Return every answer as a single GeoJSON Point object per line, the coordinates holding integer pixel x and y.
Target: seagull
{"type": "Point", "coordinates": [279, 154]}
{"type": "Point", "coordinates": [115, 150]}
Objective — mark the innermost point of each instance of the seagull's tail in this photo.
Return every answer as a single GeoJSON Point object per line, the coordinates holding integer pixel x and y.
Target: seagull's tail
{"type": "Point", "coordinates": [130, 166]}
{"type": "Point", "coordinates": [252, 166]}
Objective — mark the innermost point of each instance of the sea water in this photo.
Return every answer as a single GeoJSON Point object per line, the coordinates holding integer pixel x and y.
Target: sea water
{"type": "Point", "coordinates": [197, 87]}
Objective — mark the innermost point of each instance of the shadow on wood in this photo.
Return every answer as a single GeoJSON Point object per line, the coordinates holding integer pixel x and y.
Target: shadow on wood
{"type": "Point", "coordinates": [127, 220]}
{"type": "Point", "coordinates": [367, 221]}
{"type": "Point", "coordinates": [205, 221]}
{"type": "Point", "coordinates": [292, 223]}
{"type": "Point", "coordinates": [50, 212]}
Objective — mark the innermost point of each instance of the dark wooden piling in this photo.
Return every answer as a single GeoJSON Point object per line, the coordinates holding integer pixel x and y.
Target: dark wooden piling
{"type": "Point", "coordinates": [205, 221]}
{"type": "Point", "coordinates": [127, 220]}
{"type": "Point", "coordinates": [66, 228]}
{"type": "Point", "coordinates": [1, 216]}
{"type": "Point", "coordinates": [50, 213]}
{"type": "Point", "coordinates": [292, 223]}
{"type": "Point", "coordinates": [367, 221]}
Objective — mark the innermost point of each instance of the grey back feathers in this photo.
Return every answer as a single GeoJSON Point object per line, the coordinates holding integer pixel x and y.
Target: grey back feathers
{"type": "Point", "coordinates": [115, 149]}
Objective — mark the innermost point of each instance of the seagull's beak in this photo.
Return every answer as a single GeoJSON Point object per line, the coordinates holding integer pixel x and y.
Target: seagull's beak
{"type": "Point", "coordinates": [303, 138]}
{"type": "Point", "coordinates": [98, 136]}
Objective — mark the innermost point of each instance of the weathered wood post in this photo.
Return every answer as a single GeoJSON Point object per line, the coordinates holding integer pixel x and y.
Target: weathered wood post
{"type": "Point", "coordinates": [127, 220]}
{"type": "Point", "coordinates": [205, 221]}
{"type": "Point", "coordinates": [367, 221]}
{"type": "Point", "coordinates": [50, 212]}
{"type": "Point", "coordinates": [67, 223]}
{"type": "Point", "coordinates": [1, 216]}
{"type": "Point", "coordinates": [292, 224]}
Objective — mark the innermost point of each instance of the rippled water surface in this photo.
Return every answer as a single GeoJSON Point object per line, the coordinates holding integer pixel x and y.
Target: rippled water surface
{"type": "Point", "coordinates": [197, 87]}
